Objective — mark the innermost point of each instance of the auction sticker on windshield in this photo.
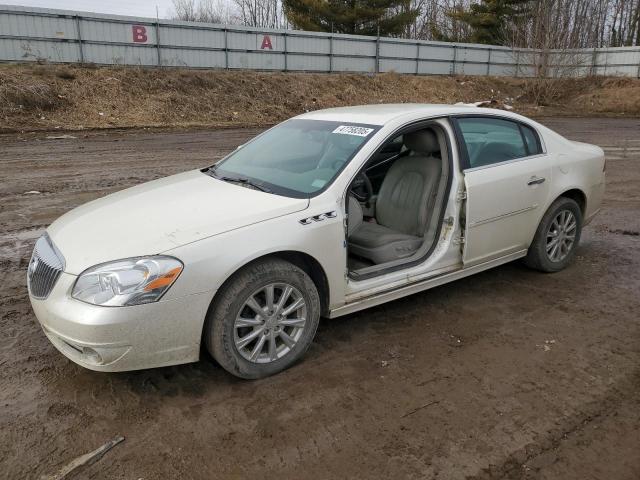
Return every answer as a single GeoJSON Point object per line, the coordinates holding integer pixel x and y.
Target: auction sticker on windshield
{"type": "Point", "coordinates": [353, 130]}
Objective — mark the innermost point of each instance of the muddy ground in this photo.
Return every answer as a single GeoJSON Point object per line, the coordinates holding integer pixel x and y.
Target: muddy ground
{"type": "Point", "coordinates": [506, 374]}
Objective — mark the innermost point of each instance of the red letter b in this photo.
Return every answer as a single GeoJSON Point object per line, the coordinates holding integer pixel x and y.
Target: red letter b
{"type": "Point", "coordinates": [139, 34]}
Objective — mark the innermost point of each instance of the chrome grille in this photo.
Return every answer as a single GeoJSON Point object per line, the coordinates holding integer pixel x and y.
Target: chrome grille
{"type": "Point", "coordinates": [45, 266]}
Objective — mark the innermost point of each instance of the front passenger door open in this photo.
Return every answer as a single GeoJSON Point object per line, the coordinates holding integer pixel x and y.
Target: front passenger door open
{"type": "Point", "coordinates": [408, 189]}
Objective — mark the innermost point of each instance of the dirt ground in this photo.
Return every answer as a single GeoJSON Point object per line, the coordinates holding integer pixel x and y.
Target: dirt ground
{"type": "Point", "coordinates": [506, 374]}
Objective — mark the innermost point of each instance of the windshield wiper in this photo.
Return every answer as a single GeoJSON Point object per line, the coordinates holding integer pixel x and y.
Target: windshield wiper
{"type": "Point", "coordinates": [240, 180]}
{"type": "Point", "coordinates": [246, 181]}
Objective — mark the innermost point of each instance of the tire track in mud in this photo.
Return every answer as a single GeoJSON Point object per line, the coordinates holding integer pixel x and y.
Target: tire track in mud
{"type": "Point", "coordinates": [521, 463]}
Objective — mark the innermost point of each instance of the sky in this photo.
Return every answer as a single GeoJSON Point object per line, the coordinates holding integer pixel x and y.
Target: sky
{"type": "Point", "coordinates": [137, 8]}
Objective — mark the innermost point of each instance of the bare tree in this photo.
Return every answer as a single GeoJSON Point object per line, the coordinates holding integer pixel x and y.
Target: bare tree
{"type": "Point", "coordinates": [261, 13]}
{"type": "Point", "coordinates": [560, 24]}
{"type": "Point", "coordinates": [207, 11]}
{"type": "Point", "coordinates": [435, 23]}
{"type": "Point", "coordinates": [551, 24]}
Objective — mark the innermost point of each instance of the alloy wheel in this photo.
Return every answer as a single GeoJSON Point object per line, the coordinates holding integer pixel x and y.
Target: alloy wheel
{"type": "Point", "coordinates": [270, 323]}
{"type": "Point", "coordinates": [561, 236]}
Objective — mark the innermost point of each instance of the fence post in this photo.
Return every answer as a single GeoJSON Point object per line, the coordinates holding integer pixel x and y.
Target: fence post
{"type": "Point", "coordinates": [226, 48]}
{"type": "Point", "coordinates": [455, 57]}
{"type": "Point", "coordinates": [79, 39]}
{"type": "Point", "coordinates": [594, 60]}
{"type": "Point", "coordinates": [417, 58]}
{"type": "Point", "coordinates": [284, 36]}
{"type": "Point", "coordinates": [331, 52]}
{"type": "Point", "coordinates": [517, 62]}
{"type": "Point", "coordinates": [378, 51]}
{"type": "Point", "coordinates": [489, 62]}
{"type": "Point", "coordinates": [158, 42]}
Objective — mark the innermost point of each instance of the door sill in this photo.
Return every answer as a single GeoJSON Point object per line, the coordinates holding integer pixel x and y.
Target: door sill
{"type": "Point", "coordinates": [421, 285]}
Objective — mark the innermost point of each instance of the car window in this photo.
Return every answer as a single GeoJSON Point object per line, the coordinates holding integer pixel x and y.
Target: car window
{"type": "Point", "coordinates": [531, 139]}
{"type": "Point", "coordinates": [298, 157]}
{"type": "Point", "coordinates": [491, 140]}
{"type": "Point", "coordinates": [391, 148]}
{"type": "Point", "coordinates": [394, 145]}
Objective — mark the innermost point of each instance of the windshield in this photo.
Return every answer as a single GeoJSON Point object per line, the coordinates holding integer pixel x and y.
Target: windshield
{"type": "Point", "coordinates": [297, 158]}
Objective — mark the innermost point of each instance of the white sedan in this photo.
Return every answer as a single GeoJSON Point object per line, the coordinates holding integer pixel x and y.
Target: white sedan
{"type": "Point", "coordinates": [323, 215]}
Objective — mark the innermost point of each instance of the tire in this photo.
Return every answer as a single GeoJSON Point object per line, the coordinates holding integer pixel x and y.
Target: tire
{"type": "Point", "coordinates": [225, 332]}
{"type": "Point", "coordinates": [539, 257]}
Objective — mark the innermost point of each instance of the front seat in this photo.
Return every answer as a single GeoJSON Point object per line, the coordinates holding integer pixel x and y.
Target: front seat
{"type": "Point", "coordinates": [403, 205]}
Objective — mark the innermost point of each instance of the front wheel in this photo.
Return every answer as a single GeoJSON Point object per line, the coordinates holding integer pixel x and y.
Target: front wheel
{"type": "Point", "coordinates": [557, 237]}
{"type": "Point", "coordinates": [263, 320]}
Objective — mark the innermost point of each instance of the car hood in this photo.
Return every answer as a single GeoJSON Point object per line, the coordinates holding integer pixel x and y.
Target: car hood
{"type": "Point", "coordinates": [157, 216]}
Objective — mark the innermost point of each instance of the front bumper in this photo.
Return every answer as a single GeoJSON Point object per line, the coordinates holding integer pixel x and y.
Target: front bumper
{"type": "Point", "coordinates": [113, 339]}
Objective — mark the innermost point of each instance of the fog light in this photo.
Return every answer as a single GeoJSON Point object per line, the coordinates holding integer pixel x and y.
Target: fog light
{"type": "Point", "coordinates": [97, 355]}
{"type": "Point", "coordinates": [91, 356]}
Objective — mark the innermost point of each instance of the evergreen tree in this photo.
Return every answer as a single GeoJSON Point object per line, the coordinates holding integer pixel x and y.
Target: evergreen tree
{"type": "Point", "coordinates": [491, 20]}
{"type": "Point", "coordinates": [360, 17]}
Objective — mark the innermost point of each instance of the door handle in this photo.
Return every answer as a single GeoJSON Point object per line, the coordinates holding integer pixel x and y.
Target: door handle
{"type": "Point", "coordinates": [536, 181]}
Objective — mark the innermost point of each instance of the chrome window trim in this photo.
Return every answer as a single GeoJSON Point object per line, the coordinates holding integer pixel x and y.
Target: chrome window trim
{"type": "Point", "coordinates": [513, 160]}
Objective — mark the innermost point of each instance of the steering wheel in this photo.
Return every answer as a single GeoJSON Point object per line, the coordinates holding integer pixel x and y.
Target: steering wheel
{"type": "Point", "coordinates": [361, 188]}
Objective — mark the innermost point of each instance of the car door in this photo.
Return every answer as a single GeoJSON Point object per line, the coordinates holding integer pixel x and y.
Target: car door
{"type": "Point", "coordinates": [506, 176]}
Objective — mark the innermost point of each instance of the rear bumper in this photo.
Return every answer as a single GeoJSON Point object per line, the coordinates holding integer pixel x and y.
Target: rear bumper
{"type": "Point", "coordinates": [591, 216]}
{"type": "Point", "coordinates": [594, 202]}
{"type": "Point", "coordinates": [115, 339]}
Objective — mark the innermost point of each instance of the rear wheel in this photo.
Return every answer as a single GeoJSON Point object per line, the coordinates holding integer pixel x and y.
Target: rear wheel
{"type": "Point", "coordinates": [557, 237]}
{"type": "Point", "coordinates": [263, 320]}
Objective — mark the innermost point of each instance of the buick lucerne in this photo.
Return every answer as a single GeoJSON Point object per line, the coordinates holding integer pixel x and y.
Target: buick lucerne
{"type": "Point", "coordinates": [323, 215]}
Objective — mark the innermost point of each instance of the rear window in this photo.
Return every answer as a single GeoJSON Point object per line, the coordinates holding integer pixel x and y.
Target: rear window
{"type": "Point", "coordinates": [532, 140]}
{"type": "Point", "coordinates": [491, 140]}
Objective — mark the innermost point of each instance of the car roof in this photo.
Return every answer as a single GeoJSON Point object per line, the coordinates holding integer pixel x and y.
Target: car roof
{"type": "Point", "coordinates": [380, 114]}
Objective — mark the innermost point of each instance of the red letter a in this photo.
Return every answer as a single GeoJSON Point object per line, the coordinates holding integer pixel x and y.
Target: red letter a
{"type": "Point", "coordinates": [266, 43]}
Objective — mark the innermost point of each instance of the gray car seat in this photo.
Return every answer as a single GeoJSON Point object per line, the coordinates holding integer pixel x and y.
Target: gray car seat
{"type": "Point", "coordinates": [403, 205]}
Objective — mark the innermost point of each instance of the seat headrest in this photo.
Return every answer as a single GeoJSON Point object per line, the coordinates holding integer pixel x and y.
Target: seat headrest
{"type": "Point", "coordinates": [422, 141]}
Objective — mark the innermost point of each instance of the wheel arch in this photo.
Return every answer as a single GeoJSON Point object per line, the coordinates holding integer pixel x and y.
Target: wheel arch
{"type": "Point", "coordinates": [537, 255]}
{"type": "Point", "coordinates": [306, 262]}
{"type": "Point", "coordinates": [314, 269]}
{"type": "Point", "coordinates": [578, 196]}
{"type": "Point", "coordinates": [575, 194]}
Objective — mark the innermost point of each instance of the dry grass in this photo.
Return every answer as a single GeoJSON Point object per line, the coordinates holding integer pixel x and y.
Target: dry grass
{"type": "Point", "coordinates": [72, 97]}
{"type": "Point", "coordinates": [620, 95]}
{"type": "Point", "coordinates": [30, 97]}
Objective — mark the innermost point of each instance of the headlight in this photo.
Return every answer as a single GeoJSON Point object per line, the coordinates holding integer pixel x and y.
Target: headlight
{"type": "Point", "coordinates": [127, 282]}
